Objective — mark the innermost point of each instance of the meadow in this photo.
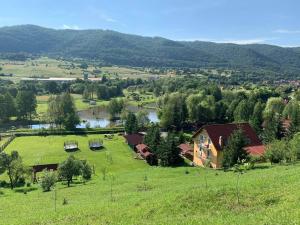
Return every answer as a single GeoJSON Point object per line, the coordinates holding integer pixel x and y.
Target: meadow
{"type": "Point", "coordinates": [45, 67]}
{"type": "Point", "coordinates": [135, 193]}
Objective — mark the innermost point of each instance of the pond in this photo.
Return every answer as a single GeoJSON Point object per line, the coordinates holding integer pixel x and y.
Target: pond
{"type": "Point", "coordinates": [98, 117]}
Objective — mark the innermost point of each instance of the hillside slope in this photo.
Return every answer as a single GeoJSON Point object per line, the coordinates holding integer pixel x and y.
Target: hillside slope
{"type": "Point", "coordinates": [132, 50]}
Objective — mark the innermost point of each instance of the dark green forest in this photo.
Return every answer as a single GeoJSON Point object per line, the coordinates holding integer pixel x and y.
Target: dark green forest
{"type": "Point", "coordinates": [113, 48]}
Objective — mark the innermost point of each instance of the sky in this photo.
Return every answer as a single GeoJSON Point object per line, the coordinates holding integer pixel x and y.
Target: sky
{"type": "Point", "coordinates": [229, 21]}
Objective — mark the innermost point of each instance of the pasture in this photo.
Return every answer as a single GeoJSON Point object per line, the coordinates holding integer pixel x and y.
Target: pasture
{"type": "Point", "coordinates": [135, 193]}
{"type": "Point", "coordinates": [45, 67]}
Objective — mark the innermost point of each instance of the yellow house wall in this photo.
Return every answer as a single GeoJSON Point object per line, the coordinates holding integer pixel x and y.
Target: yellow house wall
{"type": "Point", "coordinates": [215, 156]}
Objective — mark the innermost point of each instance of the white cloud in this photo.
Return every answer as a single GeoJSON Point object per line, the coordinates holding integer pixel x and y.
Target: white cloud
{"type": "Point", "coordinates": [71, 27]}
{"type": "Point", "coordinates": [286, 31]}
{"type": "Point", "coordinates": [246, 41]}
{"type": "Point", "coordinates": [233, 41]}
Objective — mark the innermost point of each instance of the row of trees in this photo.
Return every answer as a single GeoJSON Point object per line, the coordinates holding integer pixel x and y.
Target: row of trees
{"type": "Point", "coordinates": [260, 108]}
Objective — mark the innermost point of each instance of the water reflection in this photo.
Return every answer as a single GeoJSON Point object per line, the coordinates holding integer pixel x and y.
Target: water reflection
{"type": "Point", "coordinates": [98, 117]}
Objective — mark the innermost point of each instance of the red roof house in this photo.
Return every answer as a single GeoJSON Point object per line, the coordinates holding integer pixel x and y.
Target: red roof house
{"type": "Point", "coordinates": [210, 140]}
{"type": "Point", "coordinates": [187, 151]}
{"type": "Point", "coordinates": [134, 139]}
{"type": "Point", "coordinates": [144, 151]}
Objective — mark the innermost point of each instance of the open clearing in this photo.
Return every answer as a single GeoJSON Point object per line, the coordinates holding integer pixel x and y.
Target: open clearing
{"type": "Point", "coordinates": [149, 195]}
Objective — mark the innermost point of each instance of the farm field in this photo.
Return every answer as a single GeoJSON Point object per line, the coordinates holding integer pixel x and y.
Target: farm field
{"type": "Point", "coordinates": [42, 67]}
{"type": "Point", "coordinates": [47, 67]}
{"type": "Point", "coordinates": [140, 194]}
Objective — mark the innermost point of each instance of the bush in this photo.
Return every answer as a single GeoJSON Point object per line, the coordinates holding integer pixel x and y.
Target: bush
{"type": "Point", "coordinates": [255, 159]}
{"type": "Point", "coordinates": [86, 171]}
{"type": "Point", "coordinates": [295, 145]}
{"type": "Point", "coordinates": [65, 201]}
{"type": "Point", "coordinates": [48, 181]}
{"type": "Point", "coordinates": [279, 151]}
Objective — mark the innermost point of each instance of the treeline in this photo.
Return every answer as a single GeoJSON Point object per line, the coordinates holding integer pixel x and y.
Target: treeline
{"type": "Point", "coordinates": [104, 89]}
{"type": "Point", "coordinates": [273, 112]}
{"type": "Point", "coordinates": [19, 100]}
{"type": "Point", "coordinates": [20, 103]}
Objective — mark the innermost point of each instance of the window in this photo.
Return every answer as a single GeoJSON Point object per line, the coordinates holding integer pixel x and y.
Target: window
{"type": "Point", "coordinates": [202, 139]}
{"type": "Point", "coordinates": [209, 141]}
{"type": "Point", "coordinates": [200, 154]}
{"type": "Point", "coordinates": [208, 155]}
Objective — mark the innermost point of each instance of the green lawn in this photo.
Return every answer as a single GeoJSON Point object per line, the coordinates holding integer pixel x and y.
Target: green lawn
{"type": "Point", "coordinates": [42, 150]}
{"type": "Point", "coordinates": [175, 196]}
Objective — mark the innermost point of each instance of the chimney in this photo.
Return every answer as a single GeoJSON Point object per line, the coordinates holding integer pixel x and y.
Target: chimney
{"type": "Point", "coordinates": [221, 141]}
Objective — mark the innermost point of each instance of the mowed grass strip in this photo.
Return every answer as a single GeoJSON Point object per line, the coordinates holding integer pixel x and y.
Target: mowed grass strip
{"type": "Point", "coordinates": [50, 149]}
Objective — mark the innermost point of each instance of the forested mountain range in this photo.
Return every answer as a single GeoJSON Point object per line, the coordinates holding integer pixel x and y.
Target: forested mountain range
{"type": "Point", "coordinates": [132, 50]}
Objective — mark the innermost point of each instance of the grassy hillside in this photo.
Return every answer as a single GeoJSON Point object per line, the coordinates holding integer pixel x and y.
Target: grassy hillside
{"type": "Point", "coordinates": [53, 151]}
{"type": "Point", "coordinates": [269, 194]}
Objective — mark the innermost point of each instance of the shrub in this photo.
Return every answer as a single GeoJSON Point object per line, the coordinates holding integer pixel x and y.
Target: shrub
{"type": "Point", "coordinates": [255, 159]}
{"type": "Point", "coordinates": [48, 181]}
{"type": "Point", "coordinates": [234, 150]}
{"type": "Point", "coordinates": [65, 201]}
{"type": "Point", "coordinates": [86, 171]}
{"type": "Point", "coordinates": [279, 151]}
{"type": "Point", "coordinates": [295, 145]}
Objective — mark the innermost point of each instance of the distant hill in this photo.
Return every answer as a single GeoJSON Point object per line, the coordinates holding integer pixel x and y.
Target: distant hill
{"type": "Point", "coordinates": [131, 50]}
